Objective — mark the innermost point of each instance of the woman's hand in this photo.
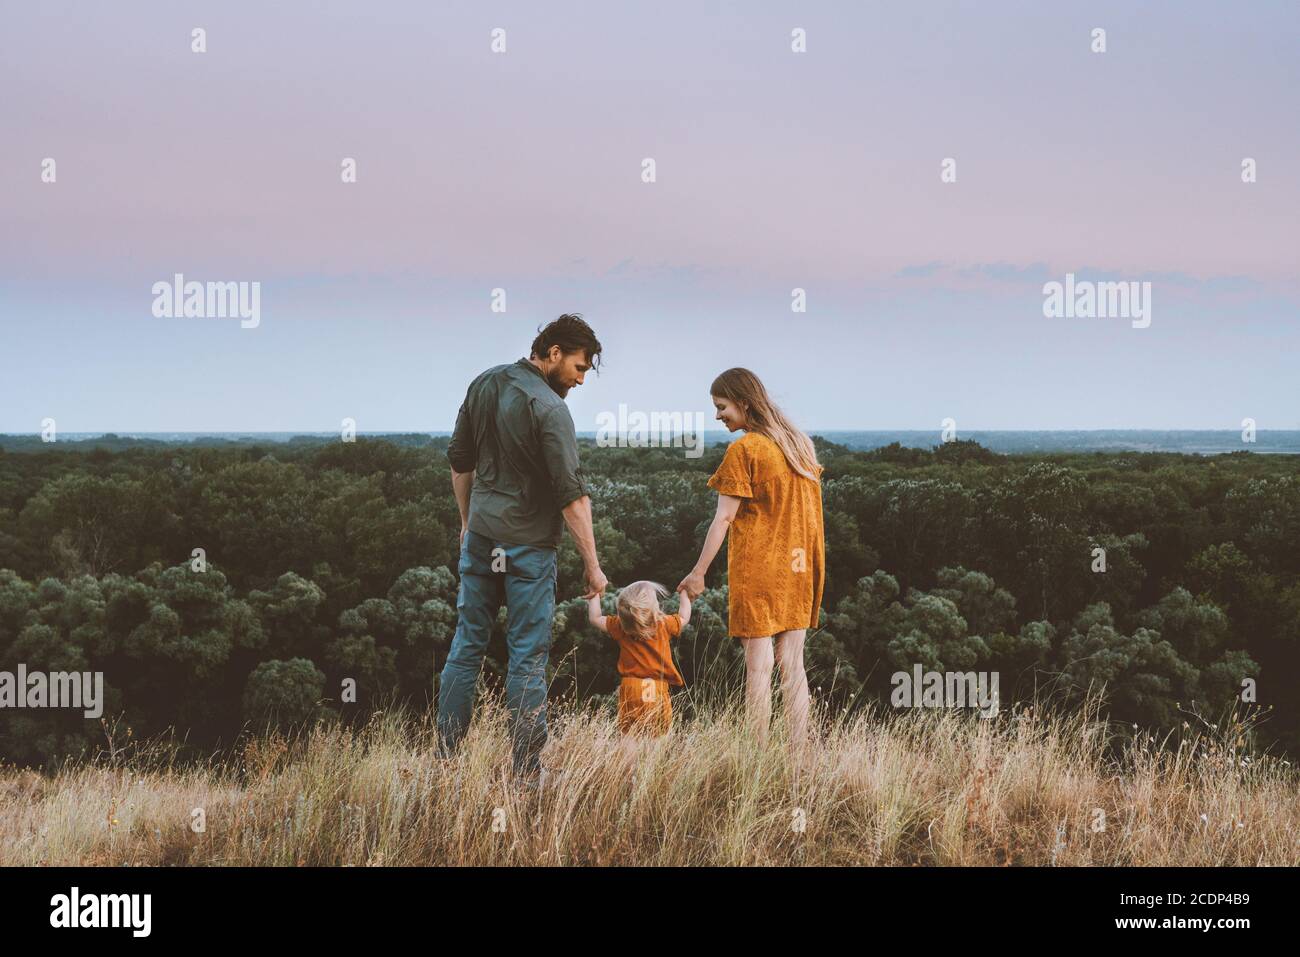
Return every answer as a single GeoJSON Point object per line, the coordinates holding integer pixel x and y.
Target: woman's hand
{"type": "Point", "coordinates": [728, 508]}
{"type": "Point", "coordinates": [692, 584]}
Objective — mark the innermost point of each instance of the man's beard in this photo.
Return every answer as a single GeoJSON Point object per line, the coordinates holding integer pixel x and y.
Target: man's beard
{"type": "Point", "coordinates": [557, 386]}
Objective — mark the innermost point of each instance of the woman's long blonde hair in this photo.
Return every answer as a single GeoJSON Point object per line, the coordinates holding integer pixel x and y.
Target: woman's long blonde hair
{"type": "Point", "coordinates": [638, 608]}
{"type": "Point", "coordinates": [746, 390]}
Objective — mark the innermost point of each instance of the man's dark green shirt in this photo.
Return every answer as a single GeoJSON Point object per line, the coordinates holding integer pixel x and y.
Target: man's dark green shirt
{"type": "Point", "coordinates": [516, 435]}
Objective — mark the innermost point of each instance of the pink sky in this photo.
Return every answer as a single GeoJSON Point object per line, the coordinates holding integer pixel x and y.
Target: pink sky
{"type": "Point", "coordinates": [521, 170]}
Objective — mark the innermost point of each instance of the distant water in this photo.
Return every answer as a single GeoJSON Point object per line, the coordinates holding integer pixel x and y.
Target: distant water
{"type": "Point", "coordinates": [1187, 441]}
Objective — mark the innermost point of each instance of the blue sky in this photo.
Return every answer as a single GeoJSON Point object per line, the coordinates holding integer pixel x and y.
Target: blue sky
{"type": "Point", "coordinates": [775, 170]}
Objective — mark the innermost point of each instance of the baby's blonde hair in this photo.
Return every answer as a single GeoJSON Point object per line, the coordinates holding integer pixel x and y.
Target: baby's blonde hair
{"type": "Point", "coordinates": [638, 608]}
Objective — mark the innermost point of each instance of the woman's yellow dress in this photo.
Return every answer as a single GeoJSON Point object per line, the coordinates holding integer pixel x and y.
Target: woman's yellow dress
{"type": "Point", "coordinates": [776, 550]}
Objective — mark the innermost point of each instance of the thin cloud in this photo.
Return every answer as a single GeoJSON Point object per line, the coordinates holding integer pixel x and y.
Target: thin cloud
{"type": "Point", "coordinates": [921, 271]}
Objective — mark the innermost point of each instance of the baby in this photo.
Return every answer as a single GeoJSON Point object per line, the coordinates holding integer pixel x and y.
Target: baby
{"type": "Point", "coordinates": [645, 661]}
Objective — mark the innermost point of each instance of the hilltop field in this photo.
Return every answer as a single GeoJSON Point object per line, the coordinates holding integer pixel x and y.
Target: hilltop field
{"type": "Point", "coordinates": [1144, 606]}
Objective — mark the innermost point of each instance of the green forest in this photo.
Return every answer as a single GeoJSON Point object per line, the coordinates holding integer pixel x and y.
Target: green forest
{"type": "Point", "coordinates": [324, 561]}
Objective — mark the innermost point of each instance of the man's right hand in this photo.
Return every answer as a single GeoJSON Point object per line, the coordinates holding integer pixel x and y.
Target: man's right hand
{"type": "Point", "coordinates": [596, 582]}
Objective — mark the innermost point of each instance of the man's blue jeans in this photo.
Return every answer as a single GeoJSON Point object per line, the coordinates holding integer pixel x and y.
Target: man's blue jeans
{"type": "Point", "coordinates": [523, 576]}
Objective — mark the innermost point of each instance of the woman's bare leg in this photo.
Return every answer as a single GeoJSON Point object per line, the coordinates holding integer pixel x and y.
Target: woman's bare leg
{"type": "Point", "coordinates": [758, 685]}
{"type": "Point", "coordinates": [627, 747]}
{"type": "Point", "coordinates": [794, 687]}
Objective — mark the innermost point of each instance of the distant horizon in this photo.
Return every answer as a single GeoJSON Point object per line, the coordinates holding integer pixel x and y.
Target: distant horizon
{"type": "Point", "coordinates": [1199, 442]}
{"type": "Point", "coordinates": [811, 430]}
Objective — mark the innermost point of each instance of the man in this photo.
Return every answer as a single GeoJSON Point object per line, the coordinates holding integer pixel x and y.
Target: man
{"type": "Point", "coordinates": [514, 469]}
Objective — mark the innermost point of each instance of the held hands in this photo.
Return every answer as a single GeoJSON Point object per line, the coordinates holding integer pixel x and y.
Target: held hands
{"type": "Point", "coordinates": [693, 585]}
{"type": "Point", "coordinates": [596, 583]}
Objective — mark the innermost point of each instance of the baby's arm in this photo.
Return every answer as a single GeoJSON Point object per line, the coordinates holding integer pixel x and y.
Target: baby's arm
{"type": "Point", "coordinates": [684, 609]}
{"type": "Point", "coordinates": [595, 615]}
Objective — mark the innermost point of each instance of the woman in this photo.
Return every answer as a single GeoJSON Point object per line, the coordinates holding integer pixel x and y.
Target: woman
{"type": "Point", "coordinates": [770, 499]}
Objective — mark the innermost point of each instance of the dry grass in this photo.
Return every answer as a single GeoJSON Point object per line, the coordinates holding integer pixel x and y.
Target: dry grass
{"type": "Point", "coordinates": [916, 788]}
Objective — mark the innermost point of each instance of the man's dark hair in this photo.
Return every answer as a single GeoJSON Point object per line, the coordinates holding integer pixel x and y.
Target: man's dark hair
{"type": "Point", "coordinates": [570, 333]}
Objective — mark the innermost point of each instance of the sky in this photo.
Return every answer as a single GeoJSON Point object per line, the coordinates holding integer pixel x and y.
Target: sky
{"type": "Point", "coordinates": [774, 170]}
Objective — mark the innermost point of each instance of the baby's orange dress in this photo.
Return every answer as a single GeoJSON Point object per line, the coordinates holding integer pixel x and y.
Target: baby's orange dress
{"type": "Point", "coordinates": [647, 670]}
{"type": "Point", "coordinates": [776, 549]}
